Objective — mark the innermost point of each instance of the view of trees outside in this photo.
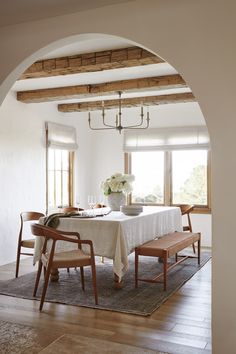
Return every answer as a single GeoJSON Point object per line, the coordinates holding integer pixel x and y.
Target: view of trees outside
{"type": "Point", "coordinates": [194, 190]}
{"type": "Point", "coordinates": [189, 177]}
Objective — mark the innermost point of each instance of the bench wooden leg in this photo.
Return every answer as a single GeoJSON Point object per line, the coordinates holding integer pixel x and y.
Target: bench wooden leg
{"type": "Point", "coordinates": [199, 250]}
{"type": "Point", "coordinates": [165, 259]}
{"type": "Point", "coordinates": [136, 268]}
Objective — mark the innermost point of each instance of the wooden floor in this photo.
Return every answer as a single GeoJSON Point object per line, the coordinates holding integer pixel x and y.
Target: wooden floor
{"type": "Point", "coordinates": [181, 325]}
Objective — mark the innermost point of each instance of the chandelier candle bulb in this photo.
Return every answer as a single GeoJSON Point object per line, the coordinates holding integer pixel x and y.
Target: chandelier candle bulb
{"type": "Point", "coordinates": [118, 122]}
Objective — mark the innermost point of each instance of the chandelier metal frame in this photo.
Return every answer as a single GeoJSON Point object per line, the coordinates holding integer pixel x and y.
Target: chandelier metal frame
{"type": "Point", "coordinates": [118, 123]}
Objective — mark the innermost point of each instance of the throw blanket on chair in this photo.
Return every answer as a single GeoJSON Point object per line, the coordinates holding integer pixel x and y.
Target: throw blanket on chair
{"type": "Point", "coordinates": [53, 219]}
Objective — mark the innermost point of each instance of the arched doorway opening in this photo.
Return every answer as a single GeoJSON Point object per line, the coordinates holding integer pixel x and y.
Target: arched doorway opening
{"type": "Point", "coordinates": [176, 113]}
{"type": "Point", "coordinates": [88, 142]}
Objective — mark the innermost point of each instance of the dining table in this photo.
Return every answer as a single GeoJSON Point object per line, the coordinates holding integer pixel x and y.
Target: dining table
{"type": "Point", "coordinates": [115, 235]}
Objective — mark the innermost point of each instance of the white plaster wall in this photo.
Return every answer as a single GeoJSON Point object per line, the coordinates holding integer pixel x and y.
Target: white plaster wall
{"type": "Point", "coordinates": [22, 166]}
{"type": "Point", "coordinates": [202, 223]}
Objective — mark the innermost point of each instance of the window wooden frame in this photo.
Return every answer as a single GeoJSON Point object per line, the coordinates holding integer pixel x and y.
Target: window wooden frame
{"type": "Point", "coordinates": [168, 181]}
{"type": "Point", "coordinates": [70, 181]}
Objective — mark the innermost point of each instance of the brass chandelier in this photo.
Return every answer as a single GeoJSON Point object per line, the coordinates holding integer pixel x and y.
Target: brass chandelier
{"type": "Point", "coordinates": [118, 122]}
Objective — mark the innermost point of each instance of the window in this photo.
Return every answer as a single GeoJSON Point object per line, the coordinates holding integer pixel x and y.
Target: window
{"type": "Point", "coordinates": [171, 165]}
{"type": "Point", "coordinates": [61, 143]}
{"type": "Point", "coordinates": [149, 177]}
{"type": "Point", "coordinates": [170, 177]}
{"type": "Point", "coordinates": [189, 177]}
{"type": "Point", "coordinates": [60, 178]}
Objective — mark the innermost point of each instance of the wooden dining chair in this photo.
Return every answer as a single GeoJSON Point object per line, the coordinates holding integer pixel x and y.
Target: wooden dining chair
{"type": "Point", "coordinates": [67, 259]}
{"type": "Point", "coordinates": [70, 209]}
{"type": "Point", "coordinates": [186, 209]}
{"type": "Point", "coordinates": [24, 217]}
{"type": "Point", "coordinates": [97, 206]}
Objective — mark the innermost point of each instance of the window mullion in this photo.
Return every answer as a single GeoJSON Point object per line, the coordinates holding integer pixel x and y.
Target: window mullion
{"type": "Point", "coordinates": [127, 169]}
{"type": "Point", "coordinates": [54, 170]}
{"type": "Point", "coordinates": [71, 178]}
{"type": "Point", "coordinates": [61, 180]}
{"type": "Point", "coordinates": [168, 179]}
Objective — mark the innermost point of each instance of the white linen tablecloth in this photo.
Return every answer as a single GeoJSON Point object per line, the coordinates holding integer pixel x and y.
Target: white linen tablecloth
{"type": "Point", "coordinates": [116, 235]}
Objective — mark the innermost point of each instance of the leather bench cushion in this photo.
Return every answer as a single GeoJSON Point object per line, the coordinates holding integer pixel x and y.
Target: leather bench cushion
{"type": "Point", "coordinates": [173, 243]}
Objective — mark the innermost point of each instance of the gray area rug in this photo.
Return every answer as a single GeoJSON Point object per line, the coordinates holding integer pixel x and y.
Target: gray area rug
{"type": "Point", "coordinates": [142, 301]}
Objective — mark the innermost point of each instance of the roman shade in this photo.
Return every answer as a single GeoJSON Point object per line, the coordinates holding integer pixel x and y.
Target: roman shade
{"type": "Point", "coordinates": [174, 138]}
{"type": "Point", "coordinates": [61, 137]}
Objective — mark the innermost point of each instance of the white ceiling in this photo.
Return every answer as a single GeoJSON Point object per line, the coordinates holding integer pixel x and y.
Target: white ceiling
{"type": "Point", "coordinates": [99, 43]}
{"type": "Point", "coordinates": [96, 77]}
{"type": "Point", "coordinates": [17, 11]}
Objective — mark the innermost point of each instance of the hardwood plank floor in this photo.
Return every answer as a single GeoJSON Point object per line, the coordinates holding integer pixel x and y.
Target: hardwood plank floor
{"type": "Point", "coordinates": [181, 325]}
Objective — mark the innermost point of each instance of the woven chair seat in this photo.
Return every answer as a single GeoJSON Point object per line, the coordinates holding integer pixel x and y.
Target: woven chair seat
{"type": "Point", "coordinates": [68, 259]}
{"type": "Point", "coordinates": [28, 243]}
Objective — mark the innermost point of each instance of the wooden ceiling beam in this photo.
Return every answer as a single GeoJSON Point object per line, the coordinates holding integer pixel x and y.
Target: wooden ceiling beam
{"type": "Point", "coordinates": [82, 91]}
{"type": "Point", "coordinates": [127, 102]}
{"type": "Point", "coordinates": [96, 61]}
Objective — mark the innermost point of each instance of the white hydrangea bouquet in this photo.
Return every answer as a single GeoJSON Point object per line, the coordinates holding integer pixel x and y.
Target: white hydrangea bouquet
{"type": "Point", "coordinates": [118, 182]}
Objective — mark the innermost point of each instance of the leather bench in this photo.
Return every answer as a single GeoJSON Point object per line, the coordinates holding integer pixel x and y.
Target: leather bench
{"type": "Point", "coordinates": [165, 247]}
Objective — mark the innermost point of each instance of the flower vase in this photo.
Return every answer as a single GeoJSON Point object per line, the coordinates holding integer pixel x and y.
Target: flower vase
{"type": "Point", "coordinates": [115, 200]}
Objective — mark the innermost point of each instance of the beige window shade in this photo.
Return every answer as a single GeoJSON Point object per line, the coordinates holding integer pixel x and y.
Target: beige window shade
{"type": "Point", "coordinates": [177, 138]}
{"type": "Point", "coordinates": [61, 137]}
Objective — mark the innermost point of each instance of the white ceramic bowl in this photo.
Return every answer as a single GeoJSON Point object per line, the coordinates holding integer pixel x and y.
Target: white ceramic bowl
{"type": "Point", "coordinates": [131, 209]}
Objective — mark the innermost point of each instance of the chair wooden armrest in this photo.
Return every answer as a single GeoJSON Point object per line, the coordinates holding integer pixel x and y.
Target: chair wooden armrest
{"type": "Point", "coordinates": [57, 235]}
{"type": "Point", "coordinates": [74, 258]}
{"type": "Point", "coordinates": [72, 233]}
{"type": "Point", "coordinates": [67, 239]}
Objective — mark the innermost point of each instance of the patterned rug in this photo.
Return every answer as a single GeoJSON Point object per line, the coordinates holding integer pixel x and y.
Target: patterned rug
{"type": "Point", "coordinates": [142, 301]}
{"type": "Point", "coordinates": [16, 339]}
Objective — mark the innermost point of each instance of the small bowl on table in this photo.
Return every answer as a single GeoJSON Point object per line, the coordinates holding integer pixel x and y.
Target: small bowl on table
{"type": "Point", "coordinates": [131, 210]}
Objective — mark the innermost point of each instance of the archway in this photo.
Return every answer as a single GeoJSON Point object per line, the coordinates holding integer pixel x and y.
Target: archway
{"type": "Point", "coordinates": [185, 51]}
{"type": "Point", "coordinates": [97, 41]}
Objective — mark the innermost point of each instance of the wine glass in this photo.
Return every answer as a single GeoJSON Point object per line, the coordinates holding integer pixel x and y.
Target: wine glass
{"type": "Point", "coordinates": [91, 202]}
{"type": "Point", "coordinates": [101, 200]}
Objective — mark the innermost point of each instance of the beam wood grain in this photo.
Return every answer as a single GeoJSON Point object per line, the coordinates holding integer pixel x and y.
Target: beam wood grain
{"type": "Point", "coordinates": [127, 102]}
{"type": "Point", "coordinates": [89, 62]}
{"type": "Point", "coordinates": [82, 91]}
